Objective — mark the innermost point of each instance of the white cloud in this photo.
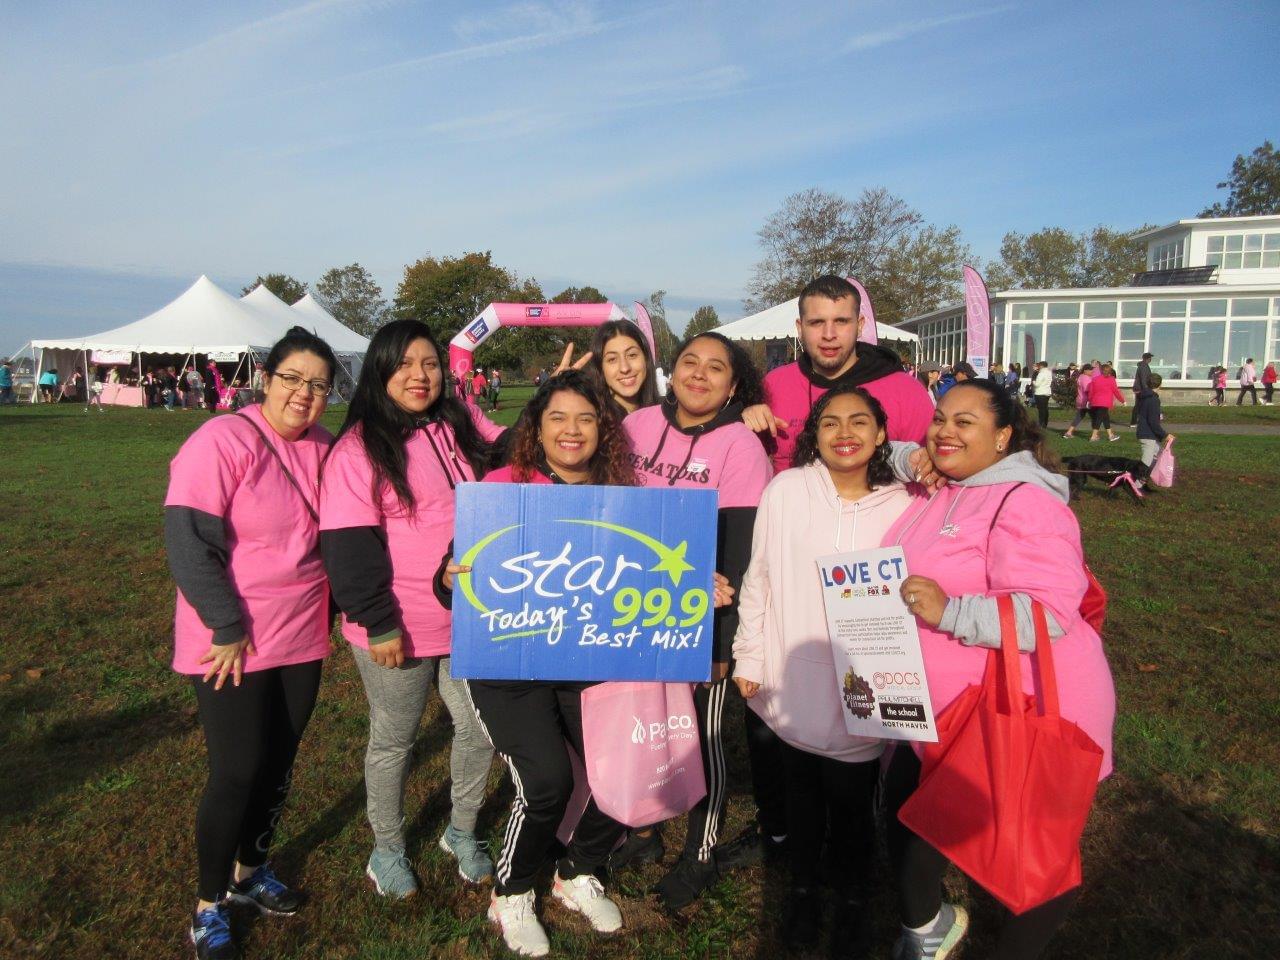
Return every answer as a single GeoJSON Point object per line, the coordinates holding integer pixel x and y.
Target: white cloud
{"type": "Point", "coordinates": [879, 38]}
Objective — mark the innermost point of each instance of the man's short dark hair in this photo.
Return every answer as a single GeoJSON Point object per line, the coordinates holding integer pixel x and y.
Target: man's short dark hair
{"type": "Point", "coordinates": [831, 287]}
{"type": "Point", "coordinates": [1148, 356]}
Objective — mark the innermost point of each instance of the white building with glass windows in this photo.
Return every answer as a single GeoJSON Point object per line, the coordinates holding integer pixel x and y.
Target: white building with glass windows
{"type": "Point", "coordinates": [1210, 297]}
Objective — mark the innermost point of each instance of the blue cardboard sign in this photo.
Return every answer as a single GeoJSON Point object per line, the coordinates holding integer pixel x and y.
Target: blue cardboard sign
{"type": "Point", "coordinates": [583, 582]}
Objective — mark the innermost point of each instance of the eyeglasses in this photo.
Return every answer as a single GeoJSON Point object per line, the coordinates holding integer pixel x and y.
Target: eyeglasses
{"type": "Point", "coordinates": [317, 388]}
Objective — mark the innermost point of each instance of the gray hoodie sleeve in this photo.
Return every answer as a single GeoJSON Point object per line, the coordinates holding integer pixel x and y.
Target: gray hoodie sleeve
{"type": "Point", "coordinates": [974, 620]}
{"type": "Point", "coordinates": [196, 544]}
{"type": "Point", "coordinates": [899, 452]}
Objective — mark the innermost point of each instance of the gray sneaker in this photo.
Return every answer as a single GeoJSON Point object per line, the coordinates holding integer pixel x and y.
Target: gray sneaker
{"type": "Point", "coordinates": [938, 941]}
{"type": "Point", "coordinates": [391, 873]}
{"type": "Point", "coordinates": [474, 864]}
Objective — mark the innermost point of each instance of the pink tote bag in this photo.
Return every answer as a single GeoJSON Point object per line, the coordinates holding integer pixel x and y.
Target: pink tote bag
{"type": "Point", "coordinates": [643, 753]}
{"type": "Point", "coordinates": [1163, 467]}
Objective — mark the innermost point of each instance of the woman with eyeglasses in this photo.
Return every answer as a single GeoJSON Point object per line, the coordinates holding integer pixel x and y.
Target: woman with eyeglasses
{"type": "Point", "coordinates": [386, 519]}
{"type": "Point", "coordinates": [243, 541]}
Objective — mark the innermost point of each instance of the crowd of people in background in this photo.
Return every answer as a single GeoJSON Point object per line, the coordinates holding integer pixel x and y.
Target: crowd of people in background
{"type": "Point", "coordinates": [253, 507]}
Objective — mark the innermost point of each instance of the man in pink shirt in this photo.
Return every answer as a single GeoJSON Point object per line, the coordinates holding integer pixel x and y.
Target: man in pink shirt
{"type": "Point", "coordinates": [828, 328]}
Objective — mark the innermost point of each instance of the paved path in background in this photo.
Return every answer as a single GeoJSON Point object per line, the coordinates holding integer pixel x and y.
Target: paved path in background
{"type": "Point", "coordinates": [1223, 429]}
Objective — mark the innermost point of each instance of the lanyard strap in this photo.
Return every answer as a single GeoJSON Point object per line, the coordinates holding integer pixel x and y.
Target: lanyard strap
{"type": "Point", "coordinates": [311, 511]}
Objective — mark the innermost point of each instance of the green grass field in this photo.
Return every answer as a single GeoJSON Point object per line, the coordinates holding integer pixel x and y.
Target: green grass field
{"type": "Point", "coordinates": [101, 759]}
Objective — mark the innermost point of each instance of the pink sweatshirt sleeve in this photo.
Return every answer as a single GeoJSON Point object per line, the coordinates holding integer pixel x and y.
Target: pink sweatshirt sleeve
{"type": "Point", "coordinates": [748, 642]}
{"type": "Point", "coordinates": [1035, 549]}
{"type": "Point", "coordinates": [489, 430]}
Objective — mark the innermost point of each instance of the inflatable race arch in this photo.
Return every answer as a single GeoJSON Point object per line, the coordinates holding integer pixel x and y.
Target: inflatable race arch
{"type": "Point", "coordinates": [498, 315]}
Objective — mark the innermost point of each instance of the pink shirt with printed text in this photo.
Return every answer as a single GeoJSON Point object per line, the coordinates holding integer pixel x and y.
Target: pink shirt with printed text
{"type": "Point", "coordinates": [273, 545]}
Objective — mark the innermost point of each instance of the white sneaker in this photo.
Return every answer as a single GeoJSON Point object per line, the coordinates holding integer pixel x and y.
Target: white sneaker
{"type": "Point", "coordinates": [519, 924]}
{"type": "Point", "coordinates": [585, 894]}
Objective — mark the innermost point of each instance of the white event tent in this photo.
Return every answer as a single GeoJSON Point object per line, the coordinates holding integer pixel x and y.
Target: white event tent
{"type": "Point", "coordinates": [205, 320]}
{"type": "Point", "coordinates": [779, 322]}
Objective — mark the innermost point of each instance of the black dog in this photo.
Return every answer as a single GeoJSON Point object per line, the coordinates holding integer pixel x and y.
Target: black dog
{"type": "Point", "coordinates": [1087, 466]}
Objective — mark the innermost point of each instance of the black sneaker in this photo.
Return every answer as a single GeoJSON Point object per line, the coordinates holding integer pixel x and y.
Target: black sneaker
{"type": "Point", "coordinates": [851, 933]}
{"type": "Point", "coordinates": [638, 849]}
{"type": "Point", "coordinates": [802, 928]}
{"type": "Point", "coordinates": [685, 882]}
{"type": "Point", "coordinates": [748, 848]}
{"type": "Point", "coordinates": [211, 934]}
{"type": "Point", "coordinates": [264, 891]}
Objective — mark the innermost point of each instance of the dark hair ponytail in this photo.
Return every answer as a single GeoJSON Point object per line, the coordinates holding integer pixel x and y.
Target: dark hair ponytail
{"type": "Point", "coordinates": [299, 340]}
{"type": "Point", "coordinates": [1025, 433]}
{"type": "Point", "coordinates": [879, 470]}
{"type": "Point", "coordinates": [384, 427]}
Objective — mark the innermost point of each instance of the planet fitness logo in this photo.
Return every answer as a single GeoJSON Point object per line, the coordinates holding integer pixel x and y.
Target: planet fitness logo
{"type": "Point", "coordinates": [858, 696]}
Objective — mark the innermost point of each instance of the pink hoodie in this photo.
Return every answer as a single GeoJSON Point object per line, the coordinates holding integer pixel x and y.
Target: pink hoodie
{"type": "Point", "coordinates": [791, 391]}
{"type": "Point", "coordinates": [1103, 391]}
{"type": "Point", "coordinates": [782, 641]}
{"type": "Point", "coordinates": [1033, 548]}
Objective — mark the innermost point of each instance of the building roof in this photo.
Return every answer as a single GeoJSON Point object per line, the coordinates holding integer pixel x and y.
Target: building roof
{"type": "Point", "coordinates": [1226, 223]}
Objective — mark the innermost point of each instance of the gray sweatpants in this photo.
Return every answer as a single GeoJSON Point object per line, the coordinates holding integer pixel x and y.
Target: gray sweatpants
{"type": "Point", "coordinates": [1149, 450]}
{"type": "Point", "coordinates": [397, 699]}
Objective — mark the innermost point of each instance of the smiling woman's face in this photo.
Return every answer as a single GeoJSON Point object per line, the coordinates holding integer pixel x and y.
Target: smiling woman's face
{"type": "Point", "coordinates": [623, 365]}
{"type": "Point", "coordinates": [570, 433]}
{"type": "Point", "coordinates": [703, 380]}
{"type": "Point", "coordinates": [963, 438]}
{"type": "Point", "coordinates": [417, 381]}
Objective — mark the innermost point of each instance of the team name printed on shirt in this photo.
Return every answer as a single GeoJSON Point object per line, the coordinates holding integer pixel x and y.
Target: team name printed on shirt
{"type": "Point", "coordinates": [696, 471]}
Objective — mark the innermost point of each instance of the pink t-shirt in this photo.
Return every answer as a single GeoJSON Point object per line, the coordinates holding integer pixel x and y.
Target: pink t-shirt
{"type": "Point", "coordinates": [790, 394]}
{"type": "Point", "coordinates": [729, 459]}
{"type": "Point", "coordinates": [416, 542]}
{"type": "Point", "coordinates": [1034, 548]}
{"type": "Point", "coordinates": [273, 545]}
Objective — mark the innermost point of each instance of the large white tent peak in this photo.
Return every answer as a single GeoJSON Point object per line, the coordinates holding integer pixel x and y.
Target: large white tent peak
{"type": "Point", "coordinates": [313, 316]}
{"type": "Point", "coordinates": [779, 322]}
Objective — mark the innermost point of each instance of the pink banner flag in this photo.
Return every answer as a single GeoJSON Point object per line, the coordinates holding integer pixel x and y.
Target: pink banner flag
{"type": "Point", "coordinates": [646, 327]}
{"type": "Point", "coordinates": [977, 321]}
{"type": "Point", "coordinates": [868, 333]}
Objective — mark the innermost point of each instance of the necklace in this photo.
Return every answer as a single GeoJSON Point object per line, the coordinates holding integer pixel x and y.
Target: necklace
{"type": "Point", "coordinates": [949, 529]}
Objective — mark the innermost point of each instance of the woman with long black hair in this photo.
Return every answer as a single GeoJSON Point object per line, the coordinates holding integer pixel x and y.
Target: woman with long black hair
{"type": "Point", "coordinates": [386, 519]}
{"type": "Point", "coordinates": [696, 438]}
{"type": "Point", "coordinates": [620, 358]}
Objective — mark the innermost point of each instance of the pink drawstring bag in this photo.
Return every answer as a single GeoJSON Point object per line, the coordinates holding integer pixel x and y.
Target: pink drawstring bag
{"type": "Point", "coordinates": [643, 753]}
{"type": "Point", "coordinates": [1162, 469]}
{"type": "Point", "coordinates": [577, 802]}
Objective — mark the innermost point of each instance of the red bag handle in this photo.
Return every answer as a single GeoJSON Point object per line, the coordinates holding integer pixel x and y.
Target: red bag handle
{"type": "Point", "coordinates": [1008, 664]}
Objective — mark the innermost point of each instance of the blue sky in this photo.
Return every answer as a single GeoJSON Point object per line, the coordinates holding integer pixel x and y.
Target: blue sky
{"type": "Point", "coordinates": [628, 146]}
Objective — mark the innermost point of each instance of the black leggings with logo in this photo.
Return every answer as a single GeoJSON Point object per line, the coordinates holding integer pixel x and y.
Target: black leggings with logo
{"type": "Point", "coordinates": [252, 734]}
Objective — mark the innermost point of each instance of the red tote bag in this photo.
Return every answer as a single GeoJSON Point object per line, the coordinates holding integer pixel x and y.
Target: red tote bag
{"type": "Point", "coordinates": [1005, 792]}
{"type": "Point", "coordinates": [643, 753]}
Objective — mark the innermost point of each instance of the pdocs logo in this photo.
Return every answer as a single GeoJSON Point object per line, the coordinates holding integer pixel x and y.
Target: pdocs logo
{"type": "Point", "coordinates": [638, 734]}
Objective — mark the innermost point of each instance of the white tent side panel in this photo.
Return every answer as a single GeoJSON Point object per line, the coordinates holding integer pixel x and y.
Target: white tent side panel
{"type": "Point", "coordinates": [779, 322]}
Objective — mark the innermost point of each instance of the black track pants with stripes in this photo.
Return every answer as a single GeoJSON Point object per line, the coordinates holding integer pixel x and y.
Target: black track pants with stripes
{"type": "Point", "coordinates": [704, 819]}
{"type": "Point", "coordinates": [528, 723]}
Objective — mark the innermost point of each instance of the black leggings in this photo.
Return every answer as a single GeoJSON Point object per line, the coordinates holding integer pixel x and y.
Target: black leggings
{"type": "Point", "coordinates": [919, 868]}
{"type": "Point", "coordinates": [1100, 418]}
{"type": "Point", "coordinates": [531, 725]}
{"type": "Point", "coordinates": [830, 800]}
{"type": "Point", "coordinates": [252, 734]}
{"type": "Point", "coordinates": [764, 754]}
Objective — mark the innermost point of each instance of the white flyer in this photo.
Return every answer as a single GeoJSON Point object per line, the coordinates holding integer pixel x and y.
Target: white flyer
{"type": "Point", "coordinates": [879, 673]}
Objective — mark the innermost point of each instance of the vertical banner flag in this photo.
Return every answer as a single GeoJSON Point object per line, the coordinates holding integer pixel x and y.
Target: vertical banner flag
{"type": "Point", "coordinates": [977, 320]}
{"type": "Point", "coordinates": [583, 582]}
{"type": "Point", "coordinates": [646, 327]}
{"type": "Point", "coordinates": [879, 668]}
{"type": "Point", "coordinates": [867, 312]}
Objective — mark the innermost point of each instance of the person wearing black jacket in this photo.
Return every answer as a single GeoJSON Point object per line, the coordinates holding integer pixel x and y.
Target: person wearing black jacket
{"type": "Point", "coordinates": [696, 438]}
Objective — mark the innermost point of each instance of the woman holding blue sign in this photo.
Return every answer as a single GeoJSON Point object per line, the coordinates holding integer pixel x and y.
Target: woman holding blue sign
{"type": "Point", "coordinates": [569, 433]}
{"type": "Point", "coordinates": [841, 495]}
{"type": "Point", "coordinates": [696, 438]}
{"type": "Point", "coordinates": [386, 519]}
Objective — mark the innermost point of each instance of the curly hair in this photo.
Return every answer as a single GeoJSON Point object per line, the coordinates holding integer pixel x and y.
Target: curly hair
{"type": "Point", "coordinates": [1026, 433]}
{"type": "Point", "coordinates": [748, 387]}
{"type": "Point", "coordinates": [879, 470]}
{"type": "Point", "coordinates": [610, 465]}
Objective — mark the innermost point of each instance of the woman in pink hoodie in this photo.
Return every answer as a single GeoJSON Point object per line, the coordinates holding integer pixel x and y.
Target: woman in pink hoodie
{"type": "Point", "coordinates": [1003, 525]}
{"type": "Point", "coordinates": [841, 495]}
{"type": "Point", "coordinates": [1103, 394]}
